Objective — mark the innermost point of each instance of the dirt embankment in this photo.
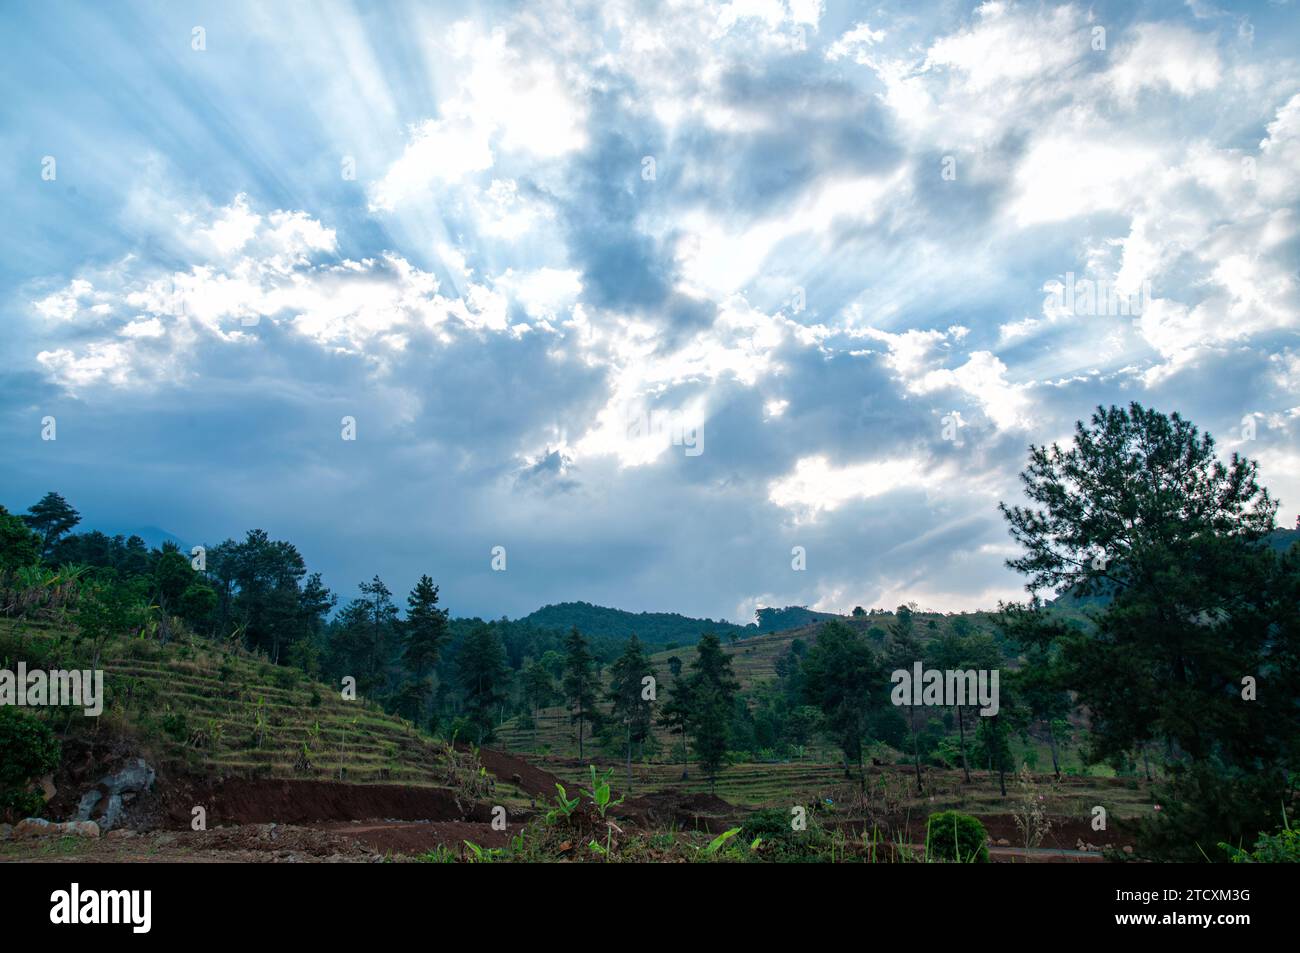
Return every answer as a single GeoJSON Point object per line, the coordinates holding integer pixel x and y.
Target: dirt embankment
{"type": "Point", "coordinates": [692, 811]}
{"type": "Point", "coordinates": [259, 801]}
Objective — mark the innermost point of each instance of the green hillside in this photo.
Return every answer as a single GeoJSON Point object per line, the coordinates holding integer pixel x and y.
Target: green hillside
{"type": "Point", "coordinates": [664, 628]}
{"type": "Point", "coordinates": [653, 628]}
{"type": "Point", "coordinates": [201, 708]}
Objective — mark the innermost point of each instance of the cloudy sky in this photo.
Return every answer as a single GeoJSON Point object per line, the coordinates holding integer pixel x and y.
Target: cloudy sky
{"type": "Point", "coordinates": [647, 294]}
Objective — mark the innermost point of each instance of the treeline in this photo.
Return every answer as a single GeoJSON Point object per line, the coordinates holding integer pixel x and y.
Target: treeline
{"type": "Point", "coordinates": [668, 629]}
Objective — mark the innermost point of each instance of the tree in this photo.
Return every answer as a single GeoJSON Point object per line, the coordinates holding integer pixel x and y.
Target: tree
{"type": "Point", "coordinates": [484, 677]}
{"type": "Point", "coordinates": [1038, 683]}
{"type": "Point", "coordinates": [1141, 514]}
{"type": "Point", "coordinates": [425, 630]}
{"type": "Point", "coordinates": [30, 750]}
{"type": "Point", "coordinates": [51, 518]}
{"type": "Point", "coordinates": [963, 649]}
{"type": "Point", "coordinates": [381, 616]}
{"type": "Point", "coordinates": [258, 591]}
{"type": "Point", "coordinates": [580, 683]}
{"type": "Point", "coordinates": [841, 678]}
{"type": "Point", "coordinates": [539, 690]}
{"type": "Point", "coordinates": [19, 546]}
{"type": "Point", "coordinates": [903, 652]}
{"type": "Point", "coordinates": [801, 724]}
{"type": "Point", "coordinates": [172, 576]}
{"type": "Point", "coordinates": [107, 609]}
{"type": "Point", "coordinates": [675, 713]}
{"type": "Point", "coordinates": [627, 696]}
{"type": "Point", "coordinates": [712, 694]}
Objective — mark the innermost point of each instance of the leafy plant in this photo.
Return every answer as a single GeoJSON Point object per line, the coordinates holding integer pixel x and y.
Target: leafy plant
{"type": "Point", "coordinates": [1282, 847]}
{"type": "Point", "coordinates": [600, 793]}
{"type": "Point", "coordinates": [28, 749]}
{"type": "Point", "coordinates": [475, 854]}
{"type": "Point", "coordinates": [715, 845]}
{"type": "Point", "coordinates": [954, 836]}
{"type": "Point", "coordinates": [564, 807]}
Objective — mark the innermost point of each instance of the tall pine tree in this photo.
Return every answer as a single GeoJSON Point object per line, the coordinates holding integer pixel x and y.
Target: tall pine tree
{"type": "Point", "coordinates": [712, 693]}
{"type": "Point", "coordinates": [484, 677]}
{"type": "Point", "coordinates": [580, 683]}
{"type": "Point", "coordinates": [628, 699]}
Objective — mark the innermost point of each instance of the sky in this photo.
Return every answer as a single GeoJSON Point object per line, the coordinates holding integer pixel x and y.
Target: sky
{"type": "Point", "coordinates": [648, 295]}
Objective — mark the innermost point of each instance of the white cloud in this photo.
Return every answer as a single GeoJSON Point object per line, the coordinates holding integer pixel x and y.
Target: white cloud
{"type": "Point", "coordinates": [507, 98]}
{"type": "Point", "coordinates": [816, 486]}
{"type": "Point", "coordinates": [1164, 56]}
{"type": "Point", "coordinates": [855, 43]}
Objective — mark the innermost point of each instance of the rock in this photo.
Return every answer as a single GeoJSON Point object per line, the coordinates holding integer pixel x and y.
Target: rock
{"type": "Point", "coordinates": [48, 790]}
{"type": "Point", "coordinates": [87, 804]}
{"type": "Point", "coordinates": [39, 827]}
{"type": "Point", "coordinates": [6, 831]}
{"type": "Point", "coordinates": [1128, 849]}
{"type": "Point", "coordinates": [112, 813]}
{"type": "Point", "coordinates": [32, 827]}
{"type": "Point", "coordinates": [1003, 842]}
{"type": "Point", "coordinates": [136, 776]}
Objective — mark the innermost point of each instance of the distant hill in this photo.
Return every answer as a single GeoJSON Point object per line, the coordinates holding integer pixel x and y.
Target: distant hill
{"type": "Point", "coordinates": [661, 628]}
{"type": "Point", "coordinates": [1283, 539]}
{"type": "Point", "coordinates": [653, 628]}
{"type": "Point", "coordinates": [791, 617]}
{"type": "Point", "coordinates": [754, 656]}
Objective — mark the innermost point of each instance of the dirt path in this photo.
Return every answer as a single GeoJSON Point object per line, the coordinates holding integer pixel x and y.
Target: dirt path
{"type": "Point", "coordinates": [420, 837]}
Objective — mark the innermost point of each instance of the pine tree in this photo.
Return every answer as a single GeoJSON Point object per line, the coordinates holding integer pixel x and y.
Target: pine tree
{"type": "Point", "coordinates": [51, 518]}
{"type": "Point", "coordinates": [839, 676]}
{"type": "Point", "coordinates": [484, 677]}
{"type": "Point", "coordinates": [1140, 513]}
{"type": "Point", "coordinates": [425, 629]}
{"type": "Point", "coordinates": [381, 619]}
{"type": "Point", "coordinates": [903, 652]}
{"type": "Point", "coordinates": [675, 713]}
{"type": "Point", "coordinates": [627, 696]}
{"type": "Point", "coordinates": [580, 683]}
{"type": "Point", "coordinates": [539, 690]}
{"type": "Point", "coordinates": [712, 694]}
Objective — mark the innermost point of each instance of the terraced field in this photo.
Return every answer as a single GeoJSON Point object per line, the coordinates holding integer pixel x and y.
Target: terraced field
{"type": "Point", "coordinates": [892, 789]}
{"type": "Point", "coordinates": [226, 717]}
{"type": "Point", "coordinates": [223, 713]}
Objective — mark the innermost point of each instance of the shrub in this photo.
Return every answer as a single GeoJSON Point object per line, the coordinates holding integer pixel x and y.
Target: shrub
{"type": "Point", "coordinates": [175, 726]}
{"type": "Point", "coordinates": [954, 836]}
{"type": "Point", "coordinates": [28, 749]}
{"type": "Point", "coordinates": [769, 823]}
{"type": "Point", "coordinates": [1282, 847]}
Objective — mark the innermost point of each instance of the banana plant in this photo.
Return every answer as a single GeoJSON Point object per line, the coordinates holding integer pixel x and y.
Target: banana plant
{"type": "Point", "coordinates": [601, 794]}
{"type": "Point", "coordinates": [564, 807]}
